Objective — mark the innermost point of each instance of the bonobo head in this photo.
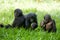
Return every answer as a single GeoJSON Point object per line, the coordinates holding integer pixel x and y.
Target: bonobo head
{"type": "Point", "coordinates": [32, 16]}
{"type": "Point", "coordinates": [18, 13]}
{"type": "Point", "coordinates": [47, 18]}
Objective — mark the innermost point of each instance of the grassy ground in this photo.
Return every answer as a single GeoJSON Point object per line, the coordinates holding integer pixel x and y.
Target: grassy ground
{"type": "Point", "coordinates": [7, 16]}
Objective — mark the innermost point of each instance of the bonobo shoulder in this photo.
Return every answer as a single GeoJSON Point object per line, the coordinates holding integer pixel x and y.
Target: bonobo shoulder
{"type": "Point", "coordinates": [53, 20]}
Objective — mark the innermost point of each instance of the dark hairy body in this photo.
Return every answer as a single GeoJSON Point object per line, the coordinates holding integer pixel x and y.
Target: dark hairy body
{"type": "Point", "coordinates": [48, 24]}
{"type": "Point", "coordinates": [29, 19]}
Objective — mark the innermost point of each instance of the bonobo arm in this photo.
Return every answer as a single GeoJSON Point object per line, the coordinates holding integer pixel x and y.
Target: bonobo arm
{"type": "Point", "coordinates": [27, 23]}
{"type": "Point", "coordinates": [42, 24]}
{"type": "Point", "coordinates": [54, 26]}
{"type": "Point", "coordinates": [13, 24]}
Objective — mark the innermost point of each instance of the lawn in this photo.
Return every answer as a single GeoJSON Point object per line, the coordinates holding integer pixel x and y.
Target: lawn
{"type": "Point", "coordinates": [7, 16]}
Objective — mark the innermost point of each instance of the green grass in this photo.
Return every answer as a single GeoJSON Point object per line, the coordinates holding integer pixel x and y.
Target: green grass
{"type": "Point", "coordinates": [7, 17]}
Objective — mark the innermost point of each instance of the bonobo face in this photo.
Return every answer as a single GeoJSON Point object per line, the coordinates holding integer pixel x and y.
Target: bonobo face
{"type": "Point", "coordinates": [18, 13]}
{"type": "Point", "coordinates": [47, 18]}
{"type": "Point", "coordinates": [32, 16]}
{"type": "Point", "coordinates": [31, 20]}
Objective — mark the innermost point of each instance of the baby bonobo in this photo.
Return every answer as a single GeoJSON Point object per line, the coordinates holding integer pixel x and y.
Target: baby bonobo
{"type": "Point", "coordinates": [19, 18]}
{"type": "Point", "coordinates": [48, 24]}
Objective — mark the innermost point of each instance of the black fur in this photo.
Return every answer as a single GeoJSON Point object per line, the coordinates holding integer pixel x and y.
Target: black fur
{"type": "Point", "coordinates": [30, 18]}
{"type": "Point", "coordinates": [48, 22]}
{"type": "Point", "coordinates": [19, 18]}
